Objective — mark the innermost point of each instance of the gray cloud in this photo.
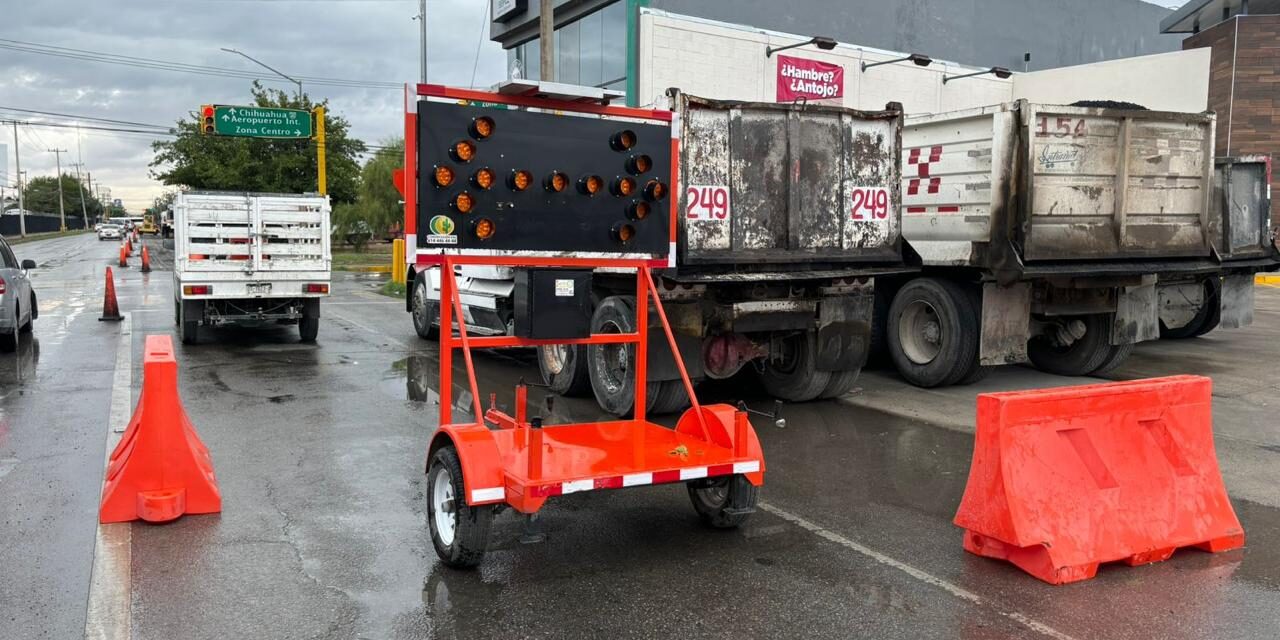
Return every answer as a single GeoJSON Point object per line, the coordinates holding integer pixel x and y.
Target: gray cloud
{"type": "Point", "coordinates": [372, 40]}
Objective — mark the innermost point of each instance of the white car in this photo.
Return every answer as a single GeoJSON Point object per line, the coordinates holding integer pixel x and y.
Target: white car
{"type": "Point", "coordinates": [109, 232]}
{"type": "Point", "coordinates": [17, 299]}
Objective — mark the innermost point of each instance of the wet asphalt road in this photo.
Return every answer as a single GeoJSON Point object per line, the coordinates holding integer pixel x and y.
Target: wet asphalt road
{"type": "Point", "coordinates": [319, 451]}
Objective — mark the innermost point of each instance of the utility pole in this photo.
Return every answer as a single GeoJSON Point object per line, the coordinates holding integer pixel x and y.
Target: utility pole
{"type": "Point", "coordinates": [422, 28]}
{"type": "Point", "coordinates": [62, 211]}
{"type": "Point", "coordinates": [547, 41]}
{"type": "Point", "coordinates": [22, 205]}
{"type": "Point", "coordinates": [84, 209]}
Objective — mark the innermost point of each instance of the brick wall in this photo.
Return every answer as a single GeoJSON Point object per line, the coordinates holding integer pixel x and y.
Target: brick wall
{"type": "Point", "coordinates": [1244, 84]}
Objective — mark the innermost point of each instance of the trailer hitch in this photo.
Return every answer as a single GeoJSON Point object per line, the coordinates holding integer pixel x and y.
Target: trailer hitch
{"type": "Point", "coordinates": [776, 415]}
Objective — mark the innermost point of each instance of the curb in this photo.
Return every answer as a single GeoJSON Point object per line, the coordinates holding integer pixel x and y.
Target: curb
{"type": "Point", "coordinates": [1266, 278]}
{"type": "Point", "coordinates": [373, 269]}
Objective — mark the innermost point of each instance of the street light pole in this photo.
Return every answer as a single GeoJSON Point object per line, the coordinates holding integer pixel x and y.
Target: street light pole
{"type": "Point", "coordinates": [62, 211]}
{"type": "Point", "coordinates": [84, 209]}
{"type": "Point", "coordinates": [267, 67]}
{"type": "Point", "coordinates": [422, 28]}
{"type": "Point", "coordinates": [22, 205]}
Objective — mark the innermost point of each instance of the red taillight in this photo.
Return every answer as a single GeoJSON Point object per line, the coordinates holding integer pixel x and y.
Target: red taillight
{"type": "Point", "coordinates": [316, 287]}
{"type": "Point", "coordinates": [3, 286]}
{"type": "Point", "coordinates": [197, 289]}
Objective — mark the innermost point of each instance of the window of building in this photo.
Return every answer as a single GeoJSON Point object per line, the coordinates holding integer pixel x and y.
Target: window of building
{"type": "Point", "coordinates": [589, 51]}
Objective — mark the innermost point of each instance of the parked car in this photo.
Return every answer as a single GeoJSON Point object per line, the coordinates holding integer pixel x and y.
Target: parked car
{"type": "Point", "coordinates": [108, 231]}
{"type": "Point", "coordinates": [17, 300]}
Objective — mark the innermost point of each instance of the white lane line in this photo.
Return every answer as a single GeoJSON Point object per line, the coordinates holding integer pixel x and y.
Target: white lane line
{"type": "Point", "coordinates": [109, 612]}
{"type": "Point", "coordinates": [342, 317]}
{"type": "Point", "coordinates": [927, 578]}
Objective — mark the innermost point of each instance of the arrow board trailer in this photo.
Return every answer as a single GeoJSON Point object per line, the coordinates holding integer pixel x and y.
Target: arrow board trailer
{"type": "Point", "coordinates": [249, 259]}
{"type": "Point", "coordinates": [556, 191]}
{"type": "Point", "coordinates": [1044, 231]}
{"type": "Point", "coordinates": [784, 215]}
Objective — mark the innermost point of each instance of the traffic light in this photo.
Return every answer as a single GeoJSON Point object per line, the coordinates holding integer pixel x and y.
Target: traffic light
{"type": "Point", "coordinates": [206, 120]}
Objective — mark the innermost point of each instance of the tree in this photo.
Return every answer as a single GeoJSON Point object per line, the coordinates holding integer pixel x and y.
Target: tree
{"type": "Point", "coordinates": [224, 163]}
{"type": "Point", "coordinates": [377, 207]}
{"type": "Point", "coordinates": [164, 201]}
{"type": "Point", "coordinates": [41, 196]}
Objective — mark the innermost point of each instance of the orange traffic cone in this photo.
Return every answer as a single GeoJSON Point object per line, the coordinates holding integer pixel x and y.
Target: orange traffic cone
{"type": "Point", "coordinates": [146, 260]}
{"type": "Point", "coordinates": [124, 256]}
{"type": "Point", "coordinates": [160, 470]}
{"type": "Point", "coordinates": [128, 247]}
{"type": "Point", "coordinates": [110, 310]}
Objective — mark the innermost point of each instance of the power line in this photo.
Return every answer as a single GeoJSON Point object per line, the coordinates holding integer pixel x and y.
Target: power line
{"type": "Point", "coordinates": [73, 117]}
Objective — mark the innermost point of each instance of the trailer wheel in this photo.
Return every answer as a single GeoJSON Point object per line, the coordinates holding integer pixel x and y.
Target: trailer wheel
{"type": "Point", "coordinates": [1115, 357]}
{"type": "Point", "coordinates": [724, 502]}
{"type": "Point", "coordinates": [842, 382]}
{"type": "Point", "coordinates": [932, 332]}
{"type": "Point", "coordinates": [1205, 320]}
{"type": "Point", "coordinates": [425, 311]}
{"type": "Point", "coordinates": [459, 532]}
{"type": "Point", "coordinates": [564, 369]}
{"type": "Point", "coordinates": [610, 366]}
{"type": "Point", "coordinates": [1081, 358]}
{"type": "Point", "coordinates": [794, 377]}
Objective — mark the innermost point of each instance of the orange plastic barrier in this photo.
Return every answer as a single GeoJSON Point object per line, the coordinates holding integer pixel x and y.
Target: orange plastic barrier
{"type": "Point", "coordinates": [160, 470]}
{"type": "Point", "coordinates": [110, 309]}
{"type": "Point", "coordinates": [1065, 479]}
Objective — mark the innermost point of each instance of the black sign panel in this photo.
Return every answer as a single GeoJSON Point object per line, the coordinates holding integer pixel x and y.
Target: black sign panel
{"type": "Point", "coordinates": [507, 180]}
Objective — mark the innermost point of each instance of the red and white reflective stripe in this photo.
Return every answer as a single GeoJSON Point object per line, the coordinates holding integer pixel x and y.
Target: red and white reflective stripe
{"type": "Point", "coordinates": [926, 210]}
{"type": "Point", "coordinates": [643, 479]}
{"type": "Point", "coordinates": [935, 154]}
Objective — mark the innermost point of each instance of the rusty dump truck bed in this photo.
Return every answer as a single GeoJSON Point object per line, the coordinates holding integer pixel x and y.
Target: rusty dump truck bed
{"type": "Point", "coordinates": [787, 187]}
{"type": "Point", "coordinates": [1024, 183]}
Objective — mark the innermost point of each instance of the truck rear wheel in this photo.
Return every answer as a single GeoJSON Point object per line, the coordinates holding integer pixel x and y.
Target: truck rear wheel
{"type": "Point", "coordinates": [670, 397]}
{"type": "Point", "coordinates": [842, 382]}
{"type": "Point", "coordinates": [932, 332]}
{"type": "Point", "coordinates": [309, 324]}
{"type": "Point", "coordinates": [1080, 358]}
{"type": "Point", "coordinates": [564, 369]}
{"type": "Point", "coordinates": [610, 367]}
{"type": "Point", "coordinates": [1205, 320]}
{"type": "Point", "coordinates": [794, 377]}
{"type": "Point", "coordinates": [1116, 357]}
{"type": "Point", "coordinates": [425, 311]}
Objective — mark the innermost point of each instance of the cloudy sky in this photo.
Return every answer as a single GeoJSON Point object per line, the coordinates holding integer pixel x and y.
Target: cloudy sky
{"type": "Point", "coordinates": [367, 40]}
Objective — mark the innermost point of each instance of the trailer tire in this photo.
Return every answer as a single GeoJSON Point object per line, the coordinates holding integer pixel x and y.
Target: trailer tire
{"type": "Point", "coordinates": [723, 502]}
{"type": "Point", "coordinates": [1116, 357]}
{"type": "Point", "coordinates": [460, 540]}
{"type": "Point", "coordinates": [841, 382]}
{"type": "Point", "coordinates": [932, 332]}
{"type": "Point", "coordinates": [796, 379]}
{"type": "Point", "coordinates": [1205, 320]}
{"type": "Point", "coordinates": [564, 369]}
{"type": "Point", "coordinates": [1080, 358]}
{"type": "Point", "coordinates": [610, 366]}
{"type": "Point", "coordinates": [424, 310]}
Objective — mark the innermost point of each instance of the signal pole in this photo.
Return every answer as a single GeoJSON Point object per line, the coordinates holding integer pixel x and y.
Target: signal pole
{"type": "Point", "coordinates": [62, 211]}
{"type": "Point", "coordinates": [22, 205]}
{"type": "Point", "coordinates": [546, 41]}
{"type": "Point", "coordinates": [422, 27]}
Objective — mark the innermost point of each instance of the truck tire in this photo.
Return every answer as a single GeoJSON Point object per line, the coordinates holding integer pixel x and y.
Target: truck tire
{"type": "Point", "coordinates": [190, 330]}
{"type": "Point", "coordinates": [425, 311]}
{"type": "Point", "coordinates": [459, 532]}
{"type": "Point", "coordinates": [1080, 358]}
{"type": "Point", "coordinates": [724, 502]}
{"type": "Point", "coordinates": [610, 366]}
{"type": "Point", "coordinates": [670, 397]}
{"type": "Point", "coordinates": [309, 324]}
{"type": "Point", "coordinates": [841, 382]}
{"type": "Point", "coordinates": [795, 377]}
{"type": "Point", "coordinates": [564, 369]}
{"type": "Point", "coordinates": [1116, 357]}
{"type": "Point", "coordinates": [1205, 320]}
{"type": "Point", "coordinates": [932, 332]}
{"type": "Point", "coordinates": [975, 372]}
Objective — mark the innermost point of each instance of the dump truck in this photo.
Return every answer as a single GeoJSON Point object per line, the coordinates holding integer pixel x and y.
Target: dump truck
{"type": "Point", "coordinates": [785, 215]}
{"type": "Point", "coordinates": [249, 258]}
{"type": "Point", "coordinates": [1044, 232]}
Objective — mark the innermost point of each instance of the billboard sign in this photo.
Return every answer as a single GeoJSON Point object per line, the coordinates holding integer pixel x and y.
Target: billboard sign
{"type": "Point", "coordinates": [803, 79]}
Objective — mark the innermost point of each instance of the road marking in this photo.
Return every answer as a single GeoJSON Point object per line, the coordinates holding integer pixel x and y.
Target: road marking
{"type": "Point", "coordinates": [928, 578]}
{"type": "Point", "coordinates": [109, 615]}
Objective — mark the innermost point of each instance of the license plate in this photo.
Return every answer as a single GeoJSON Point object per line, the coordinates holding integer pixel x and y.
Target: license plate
{"type": "Point", "coordinates": [259, 287]}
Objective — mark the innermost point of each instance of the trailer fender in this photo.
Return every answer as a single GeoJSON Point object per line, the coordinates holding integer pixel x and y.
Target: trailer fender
{"type": "Point", "coordinates": [844, 332]}
{"type": "Point", "coordinates": [481, 462]}
{"type": "Point", "coordinates": [721, 421]}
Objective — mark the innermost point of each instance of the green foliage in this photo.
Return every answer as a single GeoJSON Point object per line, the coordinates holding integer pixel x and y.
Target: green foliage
{"type": "Point", "coordinates": [196, 161]}
{"type": "Point", "coordinates": [164, 201]}
{"type": "Point", "coordinates": [41, 195]}
{"type": "Point", "coordinates": [377, 207]}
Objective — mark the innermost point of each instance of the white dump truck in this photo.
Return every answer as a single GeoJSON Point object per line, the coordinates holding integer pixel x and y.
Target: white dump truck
{"type": "Point", "coordinates": [250, 258]}
{"type": "Point", "coordinates": [1044, 232]}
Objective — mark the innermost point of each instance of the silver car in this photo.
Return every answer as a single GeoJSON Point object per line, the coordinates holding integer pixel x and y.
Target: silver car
{"type": "Point", "coordinates": [109, 231]}
{"type": "Point", "coordinates": [17, 299]}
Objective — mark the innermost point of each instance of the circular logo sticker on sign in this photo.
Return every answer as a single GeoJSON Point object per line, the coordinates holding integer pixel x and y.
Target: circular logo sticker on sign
{"type": "Point", "coordinates": [441, 225]}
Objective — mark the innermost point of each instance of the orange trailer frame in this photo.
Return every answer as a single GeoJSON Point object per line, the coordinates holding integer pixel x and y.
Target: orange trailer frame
{"type": "Point", "coordinates": [512, 460]}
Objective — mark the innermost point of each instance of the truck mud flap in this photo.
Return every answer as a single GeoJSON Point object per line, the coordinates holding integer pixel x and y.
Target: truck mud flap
{"type": "Point", "coordinates": [844, 332]}
{"type": "Point", "coordinates": [1237, 301]}
{"type": "Point", "coordinates": [1006, 323]}
{"type": "Point", "coordinates": [1137, 316]}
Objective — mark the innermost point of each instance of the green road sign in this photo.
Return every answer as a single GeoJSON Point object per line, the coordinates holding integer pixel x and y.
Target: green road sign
{"type": "Point", "coordinates": [261, 122]}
